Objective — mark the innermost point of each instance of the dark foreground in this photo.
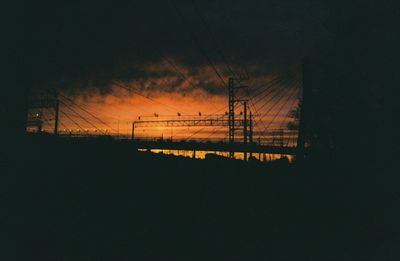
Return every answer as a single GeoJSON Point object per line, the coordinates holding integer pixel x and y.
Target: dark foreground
{"type": "Point", "coordinates": [102, 201]}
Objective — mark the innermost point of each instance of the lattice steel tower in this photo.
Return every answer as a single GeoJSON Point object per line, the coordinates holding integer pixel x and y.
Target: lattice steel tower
{"type": "Point", "coordinates": [231, 92]}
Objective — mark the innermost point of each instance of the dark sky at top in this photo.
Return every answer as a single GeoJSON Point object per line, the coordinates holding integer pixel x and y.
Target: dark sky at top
{"type": "Point", "coordinates": [74, 41]}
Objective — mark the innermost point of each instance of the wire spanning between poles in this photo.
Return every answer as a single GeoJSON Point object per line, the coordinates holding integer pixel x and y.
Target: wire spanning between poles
{"type": "Point", "coordinates": [290, 110]}
{"type": "Point", "coordinates": [168, 61]}
{"type": "Point", "coordinates": [280, 109]}
{"type": "Point", "coordinates": [46, 119]}
{"type": "Point", "coordinates": [268, 85]}
{"type": "Point", "coordinates": [278, 93]}
{"type": "Point", "coordinates": [80, 116]}
{"type": "Point", "coordinates": [218, 47]}
{"type": "Point", "coordinates": [72, 120]}
{"type": "Point", "coordinates": [175, 110]}
{"type": "Point", "coordinates": [256, 111]}
{"type": "Point", "coordinates": [197, 42]}
{"type": "Point", "coordinates": [201, 129]}
{"type": "Point", "coordinates": [59, 122]}
{"type": "Point", "coordinates": [278, 101]}
{"type": "Point", "coordinates": [179, 72]}
{"type": "Point", "coordinates": [259, 121]}
{"type": "Point", "coordinates": [278, 80]}
{"type": "Point", "coordinates": [273, 88]}
{"type": "Point", "coordinates": [88, 112]}
{"type": "Point", "coordinates": [64, 126]}
{"type": "Point", "coordinates": [214, 131]}
{"type": "Point", "coordinates": [293, 139]}
{"type": "Point", "coordinates": [281, 94]}
{"type": "Point", "coordinates": [286, 117]}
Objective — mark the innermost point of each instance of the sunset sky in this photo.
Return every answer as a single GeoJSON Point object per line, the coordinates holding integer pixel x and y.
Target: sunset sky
{"type": "Point", "coordinates": [168, 97]}
{"type": "Point", "coordinates": [173, 58]}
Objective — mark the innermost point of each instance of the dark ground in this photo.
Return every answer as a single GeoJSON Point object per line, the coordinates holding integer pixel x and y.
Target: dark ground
{"type": "Point", "coordinates": [65, 200]}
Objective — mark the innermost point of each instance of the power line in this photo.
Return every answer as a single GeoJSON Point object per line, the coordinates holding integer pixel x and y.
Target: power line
{"type": "Point", "coordinates": [277, 102]}
{"type": "Point", "coordinates": [276, 78]}
{"type": "Point", "coordinates": [289, 111]}
{"type": "Point", "coordinates": [256, 111]}
{"type": "Point", "coordinates": [64, 126]}
{"type": "Point", "coordinates": [178, 71]}
{"type": "Point", "coordinates": [280, 109]}
{"type": "Point", "coordinates": [287, 114]}
{"type": "Point", "coordinates": [80, 116]}
{"type": "Point", "coordinates": [88, 112]}
{"type": "Point", "coordinates": [215, 130]}
{"type": "Point", "coordinates": [197, 42]}
{"type": "Point", "coordinates": [207, 126]}
{"type": "Point", "coordinates": [73, 121]}
{"type": "Point", "coordinates": [207, 27]}
{"type": "Point", "coordinates": [271, 88]}
{"type": "Point", "coordinates": [146, 97]}
{"type": "Point", "coordinates": [59, 122]}
{"type": "Point", "coordinates": [277, 93]}
{"type": "Point", "coordinates": [265, 114]}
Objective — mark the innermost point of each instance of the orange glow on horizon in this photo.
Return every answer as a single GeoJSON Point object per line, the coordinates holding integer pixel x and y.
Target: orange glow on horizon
{"type": "Point", "coordinates": [167, 96]}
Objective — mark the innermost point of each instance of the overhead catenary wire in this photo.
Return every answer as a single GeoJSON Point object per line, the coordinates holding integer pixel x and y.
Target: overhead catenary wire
{"type": "Point", "coordinates": [273, 82]}
{"type": "Point", "coordinates": [214, 131]}
{"type": "Point", "coordinates": [64, 126]}
{"type": "Point", "coordinates": [72, 120]}
{"type": "Point", "coordinates": [201, 129]}
{"type": "Point", "coordinates": [289, 110]}
{"type": "Point", "coordinates": [277, 101]}
{"type": "Point", "coordinates": [286, 122]}
{"type": "Point", "coordinates": [59, 122]}
{"type": "Point", "coordinates": [80, 116]}
{"type": "Point", "coordinates": [280, 109]}
{"type": "Point", "coordinates": [278, 92]}
{"type": "Point", "coordinates": [251, 102]}
{"type": "Point", "coordinates": [255, 120]}
{"type": "Point", "coordinates": [171, 108]}
{"type": "Point", "coordinates": [197, 43]}
{"type": "Point", "coordinates": [295, 100]}
{"type": "Point", "coordinates": [210, 32]}
{"type": "Point", "coordinates": [179, 72]}
{"type": "Point", "coordinates": [273, 88]}
{"type": "Point", "coordinates": [88, 112]}
{"type": "Point", "coordinates": [267, 84]}
{"type": "Point", "coordinates": [168, 61]}
{"type": "Point", "coordinates": [260, 121]}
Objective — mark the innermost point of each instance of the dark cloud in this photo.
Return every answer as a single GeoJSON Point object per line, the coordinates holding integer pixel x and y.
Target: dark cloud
{"type": "Point", "coordinates": [72, 43]}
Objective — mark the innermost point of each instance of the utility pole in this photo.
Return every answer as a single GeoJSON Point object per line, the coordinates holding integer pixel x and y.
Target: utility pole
{"type": "Point", "coordinates": [43, 100]}
{"type": "Point", "coordinates": [304, 121]}
{"type": "Point", "coordinates": [133, 131]}
{"type": "Point", "coordinates": [56, 109]}
{"type": "Point", "coordinates": [245, 127]}
{"type": "Point", "coordinates": [231, 104]}
{"type": "Point", "coordinates": [251, 133]}
{"type": "Point", "coordinates": [231, 115]}
{"type": "Point", "coordinates": [118, 127]}
{"type": "Point", "coordinates": [245, 122]}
